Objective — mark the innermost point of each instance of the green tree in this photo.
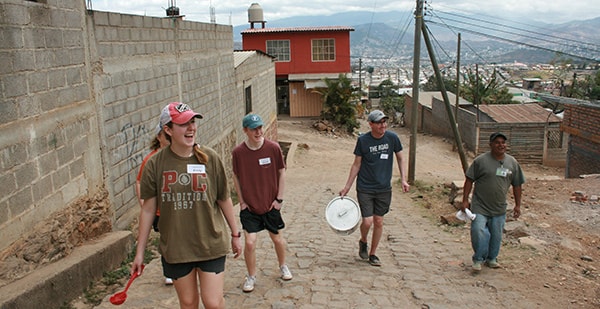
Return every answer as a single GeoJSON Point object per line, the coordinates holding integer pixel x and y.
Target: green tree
{"type": "Point", "coordinates": [488, 91]}
{"type": "Point", "coordinates": [391, 102]}
{"type": "Point", "coordinates": [339, 102]}
{"type": "Point", "coordinates": [433, 85]}
{"type": "Point", "coordinates": [588, 88]}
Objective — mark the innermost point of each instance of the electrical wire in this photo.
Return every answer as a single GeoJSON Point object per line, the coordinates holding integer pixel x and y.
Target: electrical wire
{"type": "Point", "coordinates": [524, 30]}
{"type": "Point", "coordinates": [520, 43]}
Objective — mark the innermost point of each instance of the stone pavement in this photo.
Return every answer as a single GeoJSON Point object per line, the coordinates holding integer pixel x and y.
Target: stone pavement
{"type": "Point", "coordinates": [424, 265]}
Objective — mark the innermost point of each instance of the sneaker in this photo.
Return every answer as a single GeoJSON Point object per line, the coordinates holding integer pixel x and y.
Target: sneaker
{"type": "Point", "coordinates": [374, 260]}
{"type": "Point", "coordinates": [493, 264]}
{"type": "Point", "coordinates": [363, 250]}
{"type": "Point", "coordinates": [249, 284]}
{"type": "Point", "coordinates": [168, 281]}
{"type": "Point", "coordinates": [286, 274]}
{"type": "Point", "coordinates": [476, 265]}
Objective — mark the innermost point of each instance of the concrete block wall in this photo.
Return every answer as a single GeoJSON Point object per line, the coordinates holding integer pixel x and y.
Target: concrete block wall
{"type": "Point", "coordinates": [582, 122]}
{"type": "Point", "coordinates": [81, 92]}
{"type": "Point", "coordinates": [141, 64]}
{"type": "Point", "coordinates": [49, 134]}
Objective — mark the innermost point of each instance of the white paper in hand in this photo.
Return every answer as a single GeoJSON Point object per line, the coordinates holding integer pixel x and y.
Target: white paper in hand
{"type": "Point", "coordinates": [466, 215]}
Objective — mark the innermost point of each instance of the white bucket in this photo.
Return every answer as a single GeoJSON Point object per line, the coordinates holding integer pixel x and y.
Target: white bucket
{"type": "Point", "coordinates": [343, 215]}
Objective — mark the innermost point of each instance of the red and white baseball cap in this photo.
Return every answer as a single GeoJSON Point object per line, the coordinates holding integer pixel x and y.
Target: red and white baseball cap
{"type": "Point", "coordinates": [177, 113]}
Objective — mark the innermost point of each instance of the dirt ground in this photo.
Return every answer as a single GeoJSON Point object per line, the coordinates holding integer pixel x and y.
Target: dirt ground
{"type": "Point", "coordinates": [563, 235]}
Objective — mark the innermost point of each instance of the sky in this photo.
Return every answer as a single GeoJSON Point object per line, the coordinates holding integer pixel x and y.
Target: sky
{"type": "Point", "coordinates": [235, 12]}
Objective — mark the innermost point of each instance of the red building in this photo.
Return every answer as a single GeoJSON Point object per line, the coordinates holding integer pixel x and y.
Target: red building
{"type": "Point", "coordinates": [304, 57]}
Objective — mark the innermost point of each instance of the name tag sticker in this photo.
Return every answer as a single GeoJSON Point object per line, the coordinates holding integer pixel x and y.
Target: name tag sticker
{"type": "Point", "coordinates": [502, 172]}
{"type": "Point", "coordinates": [196, 168]}
{"type": "Point", "coordinates": [384, 156]}
{"type": "Point", "coordinates": [264, 161]}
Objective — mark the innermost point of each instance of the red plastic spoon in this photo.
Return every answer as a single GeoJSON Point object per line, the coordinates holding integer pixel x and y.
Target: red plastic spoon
{"type": "Point", "coordinates": [120, 297]}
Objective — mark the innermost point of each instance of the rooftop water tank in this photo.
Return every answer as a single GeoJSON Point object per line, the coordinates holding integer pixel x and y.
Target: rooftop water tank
{"type": "Point", "coordinates": [255, 15]}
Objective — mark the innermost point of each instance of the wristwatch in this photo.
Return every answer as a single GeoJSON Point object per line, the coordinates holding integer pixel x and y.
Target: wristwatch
{"type": "Point", "coordinates": [278, 200]}
{"type": "Point", "coordinates": [239, 234]}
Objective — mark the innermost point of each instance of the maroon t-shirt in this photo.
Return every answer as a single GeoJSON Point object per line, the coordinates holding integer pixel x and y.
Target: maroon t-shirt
{"type": "Point", "coordinates": [257, 172]}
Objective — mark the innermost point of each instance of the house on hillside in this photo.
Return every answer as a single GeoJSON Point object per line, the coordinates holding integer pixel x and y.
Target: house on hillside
{"type": "Point", "coordinates": [533, 84]}
{"type": "Point", "coordinates": [582, 124]}
{"type": "Point", "coordinates": [304, 57]}
{"type": "Point", "coordinates": [533, 132]}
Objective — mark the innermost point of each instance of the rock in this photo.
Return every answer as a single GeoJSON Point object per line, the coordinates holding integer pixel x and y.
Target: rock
{"type": "Point", "coordinates": [516, 229]}
{"type": "Point", "coordinates": [457, 184]}
{"type": "Point", "coordinates": [571, 244]}
{"type": "Point", "coordinates": [587, 258]}
{"type": "Point", "coordinates": [533, 242]}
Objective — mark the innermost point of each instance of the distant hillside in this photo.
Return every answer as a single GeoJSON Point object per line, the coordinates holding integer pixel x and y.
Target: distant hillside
{"type": "Point", "coordinates": [389, 35]}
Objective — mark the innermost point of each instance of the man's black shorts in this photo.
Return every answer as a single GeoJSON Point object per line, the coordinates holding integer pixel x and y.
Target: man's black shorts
{"type": "Point", "coordinates": [374, 203]}
{"type": "Point", "coordinates": [253, 223]}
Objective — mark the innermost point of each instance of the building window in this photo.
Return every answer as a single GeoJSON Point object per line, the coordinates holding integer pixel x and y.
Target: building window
{"type": "Point", "coordinates": [248, 99]}
{"type": "Point", "coordinates": [323, 50]}
{"type": "Point", "coordinates": [280, 49]}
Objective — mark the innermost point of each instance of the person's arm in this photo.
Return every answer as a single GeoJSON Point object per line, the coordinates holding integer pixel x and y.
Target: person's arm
{"type": "Point", "coordinates": [236, 241]}
{"type": "Point", "coordinates": [146, 218]}
{"type": "Point", "coordinates": [517, 192]}
{"type": "Point", "coordinates": [467, 187]}
{"type": "Point", "coordinates": [402, 168]}
{"type": "Point", "coordinates": [137, 193]}
{"type": "Point", "coordinates": [280, 188]}
{"type": "Point", "coordinates": [353, 173]}
{"type": "Point", "coordinates": [238, 190]}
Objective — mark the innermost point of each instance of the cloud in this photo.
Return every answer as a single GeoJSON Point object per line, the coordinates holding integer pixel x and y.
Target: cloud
{"type": "Point", "coordinates": [236, 13]}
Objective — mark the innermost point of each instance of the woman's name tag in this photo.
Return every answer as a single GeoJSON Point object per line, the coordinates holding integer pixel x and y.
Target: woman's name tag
{"type": "Point", "coordinates": [196, 168]}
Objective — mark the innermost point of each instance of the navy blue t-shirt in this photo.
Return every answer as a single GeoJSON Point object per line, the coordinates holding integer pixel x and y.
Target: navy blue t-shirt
{"type": "Point", "coordinates": [377, 161]}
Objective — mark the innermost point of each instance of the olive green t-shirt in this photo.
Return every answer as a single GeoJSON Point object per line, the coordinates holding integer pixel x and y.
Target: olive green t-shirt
{"type": "Point", "coordinates": [492, 179]}
{"type": "Point", "coordinates": [192, 226]}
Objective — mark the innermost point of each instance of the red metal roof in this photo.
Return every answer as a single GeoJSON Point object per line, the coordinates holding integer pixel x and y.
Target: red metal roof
{"type": "Point", "coordinates": [297, 29]}
{"type": "Point", "coordinates": [523, 113]}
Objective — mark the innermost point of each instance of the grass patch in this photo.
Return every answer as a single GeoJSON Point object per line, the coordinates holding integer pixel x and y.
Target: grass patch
{"type": "Point", "coordinates": [113, 280]}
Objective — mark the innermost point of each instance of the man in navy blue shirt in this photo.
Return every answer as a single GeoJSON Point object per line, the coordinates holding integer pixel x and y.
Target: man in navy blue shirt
{"type": "Point", "coordinates": [372, 167]}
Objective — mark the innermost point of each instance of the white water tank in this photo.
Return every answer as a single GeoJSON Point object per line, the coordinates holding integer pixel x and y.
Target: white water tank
{"type": "Point", "coordinates": [255, 15]}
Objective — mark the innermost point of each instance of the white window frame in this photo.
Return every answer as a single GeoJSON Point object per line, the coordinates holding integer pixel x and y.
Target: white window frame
{"type": "Point", "coordinates": [322, 49]}
{"type": "Point", "coordinates": [280, 49]}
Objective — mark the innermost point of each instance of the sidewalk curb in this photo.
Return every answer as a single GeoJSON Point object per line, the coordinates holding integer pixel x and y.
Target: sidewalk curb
{"type": "Point", "coordinates": [58, 283]}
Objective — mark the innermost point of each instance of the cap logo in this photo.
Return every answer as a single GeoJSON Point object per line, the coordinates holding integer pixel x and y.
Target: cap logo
{"type": "Point", "coordinates": [254, 118]}
{"type": "Point", "coordinates": [182, 107]}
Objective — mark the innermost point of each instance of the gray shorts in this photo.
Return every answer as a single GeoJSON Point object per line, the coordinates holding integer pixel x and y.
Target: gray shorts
{"type": "Point", "coordinates": [374, 203]}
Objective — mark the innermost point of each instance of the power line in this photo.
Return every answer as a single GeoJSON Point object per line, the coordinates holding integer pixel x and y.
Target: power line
{"type": "Point", "coordinates": [488, 21]}
{"type": "Point", "coordinates": [519, 43]}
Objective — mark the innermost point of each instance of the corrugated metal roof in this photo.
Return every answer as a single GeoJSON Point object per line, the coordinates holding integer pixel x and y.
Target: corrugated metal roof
{"type": "Point", "coordinates": [297, 29]}
{"type": "Point", "coordinates": [518, 113]}
{"type": "Point", "coordinates": [239, 56]}
{"type": "Point", "coordinates": [426, 97]}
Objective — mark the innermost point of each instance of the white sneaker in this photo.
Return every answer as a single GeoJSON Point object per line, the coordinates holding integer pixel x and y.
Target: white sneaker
{"type": "Point", "coordinates": [168, 281]}
{"type": "Point", "coordinates": [286, 274]}
{"type": "Point", "coordinates": [249, 284]}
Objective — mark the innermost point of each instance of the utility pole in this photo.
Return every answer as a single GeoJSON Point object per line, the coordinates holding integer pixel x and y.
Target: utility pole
{"type": "Point", "coordinates": [457, 83]}
{"type": "Point", "coordinates": [360, 77]}
{"type": "Point", "coordinates": [414, 109]}
{"type": "Point", "coordinates": [438, 75]}
{"type": "Point", "coordinates": [457, 77]}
